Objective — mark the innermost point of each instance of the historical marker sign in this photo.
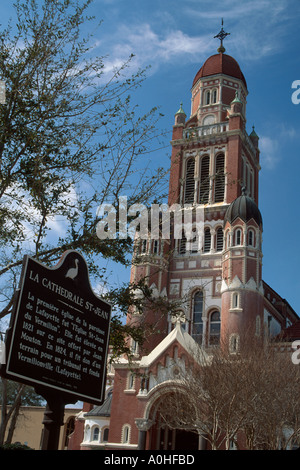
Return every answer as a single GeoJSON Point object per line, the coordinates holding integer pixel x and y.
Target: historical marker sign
{"type": "Point", "coordinates": [60, 330]}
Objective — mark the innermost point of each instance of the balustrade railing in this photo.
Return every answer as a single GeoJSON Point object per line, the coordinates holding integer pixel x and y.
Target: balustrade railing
{"type": "Point", "coordinates": [202, 131]}
{"type": "Point", "coordinates": [211, 129]}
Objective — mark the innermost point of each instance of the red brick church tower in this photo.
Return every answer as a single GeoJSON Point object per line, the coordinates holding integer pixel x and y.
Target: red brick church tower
{"type": "Point", "coordinates": [214, 274]}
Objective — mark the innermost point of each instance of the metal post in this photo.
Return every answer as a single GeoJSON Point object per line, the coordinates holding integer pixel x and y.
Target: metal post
{"type": "Point", "coordinates": [53, 417]}
{"type": "Point", "coordinates": [53, 420]}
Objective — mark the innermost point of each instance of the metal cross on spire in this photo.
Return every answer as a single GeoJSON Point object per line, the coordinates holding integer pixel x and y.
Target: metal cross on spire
{"type": "Point", "coordinates": [221, 35]}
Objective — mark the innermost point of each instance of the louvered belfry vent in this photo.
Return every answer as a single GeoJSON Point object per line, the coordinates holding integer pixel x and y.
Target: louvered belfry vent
{"type": "Point", "coordinates": [189, 181]}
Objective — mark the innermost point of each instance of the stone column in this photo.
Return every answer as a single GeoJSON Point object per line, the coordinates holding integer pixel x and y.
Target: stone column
{"type": "Point", "coordinates": [143, 425]}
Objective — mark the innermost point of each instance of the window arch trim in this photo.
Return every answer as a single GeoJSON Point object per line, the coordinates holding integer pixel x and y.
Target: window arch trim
{"type": "Point", "coordinates": [251, 237]}
{"type": "Point", "coordinates": [210, 96]}
{"type": "Point", "coordinates": [207, 97]}
{"type": "Point", "coordinates": [189, 180]}
{"type": "Point", "coordinates": [238, 233]}
{"type": "Point", "coordinates": [204, 179]}
{"type": "Point", "coordinates": [219, 187]}
{"type": "Point", "coordinates": [207, 240]}
{"type": "Point", "coordinates": [234, 343]}
{"type": "Point", "coordinates": [219, 239]}
{"type": "Point", "coordinates": [214, 329]}
{"type": "Point", "coordinates": [197, 315]}
{"type": "Point", "coordinates": [214, 95]}
{"type": "Point", "coordinates": [126, 431]}
{"type": "Point", "coordinates": [95, 433]}
{"type": "Point", "coordinates": [104, 434]}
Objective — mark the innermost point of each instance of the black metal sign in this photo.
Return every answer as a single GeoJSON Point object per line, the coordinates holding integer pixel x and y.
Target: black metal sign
{"type": "Point", "coordinates": [60, 330]}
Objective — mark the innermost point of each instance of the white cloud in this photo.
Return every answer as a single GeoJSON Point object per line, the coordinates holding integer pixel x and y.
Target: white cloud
{"type": "Point", "coordinates": [271, 148]}
{"type": "Point", "coordinates": [256, 27]}
{"type": "Point", "coordinates": [19, 200]}
{"type": "Point", "coordinates": [154, 49]}
{"type": "Point", "coordinates": [269, 151]}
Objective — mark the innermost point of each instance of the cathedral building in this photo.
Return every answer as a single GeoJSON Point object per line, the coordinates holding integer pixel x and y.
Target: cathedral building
{"type": "Point", "coordinates": [214, 275]}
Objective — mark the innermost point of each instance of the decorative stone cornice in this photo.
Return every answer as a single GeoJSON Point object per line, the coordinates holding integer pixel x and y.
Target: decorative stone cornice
{"type": "Point", "coordinates": [237, 284]}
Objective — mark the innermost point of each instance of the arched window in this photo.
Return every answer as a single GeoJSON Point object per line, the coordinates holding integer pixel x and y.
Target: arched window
{"type": "Point", "coordinates": [235, 303]}
{"type": "Point", "coordinates": [96, 432]}
{"type": "Point", "coordinates": [197, 326]}
{"type": "Point", "coordinates": [207, 97]}
{"type": "Point", "coordinates": [214, 96]}
{"type": "Point", "coordinates": [155, 246]}
{"type": "Point", "coordinates": [207, 240]}
{"type": "Point", "coordinates": [238, 237]}
{"type": "Point", "coordinates": [182, 244]}
{"type": "Point", "coordinates": [219, 239]}
{"type": "Point", "coordinates": [126, 434]}
{"type": "Point", "coordinates": [130, 382]}
{"type": "Point", "coordinates": [105, 433]}
{"type": "Point", "coordinates": [227, 239]}
{"type": "Point", "coordinates": [251, 238]}
{"type": "Point", "coordinates": [214, 328]}
{"type": "Point", "coordinates": [234, 343]}
{"type": "Point", "coordinates": [134, 346]}
{"type": "Point", "coordinates": [189, 181]}
{"type": "Point", "coordinates": [204, 180]}
{"type": "Point", "coordinates": [144, 246]}
{"type": "Point", "coordinates": [219, 178]}
{"type": "Point", "coordinates": [194, 243]}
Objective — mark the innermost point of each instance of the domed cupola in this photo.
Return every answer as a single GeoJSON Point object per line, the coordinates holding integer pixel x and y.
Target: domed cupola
{"type": "Point", "coordinates": [244, 208]}
{"type": "Point", "coordinates": [220, 64]}
{"type": "Point", "coordinates": [215, 86]}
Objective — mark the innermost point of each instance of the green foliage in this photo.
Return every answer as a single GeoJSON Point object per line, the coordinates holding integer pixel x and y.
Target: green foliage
{"type": "Point", "coordinates": [70, 139]}
{"type": "Point", "coordinates": [29, 397]}
{"type": "Point", "coordinates": [15, 446]}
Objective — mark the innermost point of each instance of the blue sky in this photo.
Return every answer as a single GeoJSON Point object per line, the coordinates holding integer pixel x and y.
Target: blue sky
{"type": "Point", "coordinates": [175, 38]}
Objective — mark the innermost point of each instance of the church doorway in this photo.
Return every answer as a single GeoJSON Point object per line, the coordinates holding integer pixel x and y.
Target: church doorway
{"type": "Point", "coordinates": [172, 421]}
{"type": "Point", "coordinates": [176, 439]}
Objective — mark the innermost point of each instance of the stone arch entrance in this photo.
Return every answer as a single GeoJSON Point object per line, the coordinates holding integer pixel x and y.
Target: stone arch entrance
{"type": "Point", "coordinates": [162, 435]}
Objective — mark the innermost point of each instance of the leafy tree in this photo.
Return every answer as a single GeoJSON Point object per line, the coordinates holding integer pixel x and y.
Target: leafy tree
{"type": "Point", "coordinates": [71, 138]}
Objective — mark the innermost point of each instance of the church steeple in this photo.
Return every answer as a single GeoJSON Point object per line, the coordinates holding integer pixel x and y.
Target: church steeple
{"type": "Point", "coordinates": [214, 131]}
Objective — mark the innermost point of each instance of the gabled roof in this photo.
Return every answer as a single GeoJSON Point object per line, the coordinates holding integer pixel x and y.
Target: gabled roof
{"type": "Point", "coordinates": [102, 410]}
{"type": "Point", "coordinates": [177, 334]}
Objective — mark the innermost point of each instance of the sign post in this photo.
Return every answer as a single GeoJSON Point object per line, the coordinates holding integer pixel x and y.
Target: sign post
{"type": "Point", "coordinates": [58, 338]}
{"type": "Point", "coordinates": [53, 417]}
